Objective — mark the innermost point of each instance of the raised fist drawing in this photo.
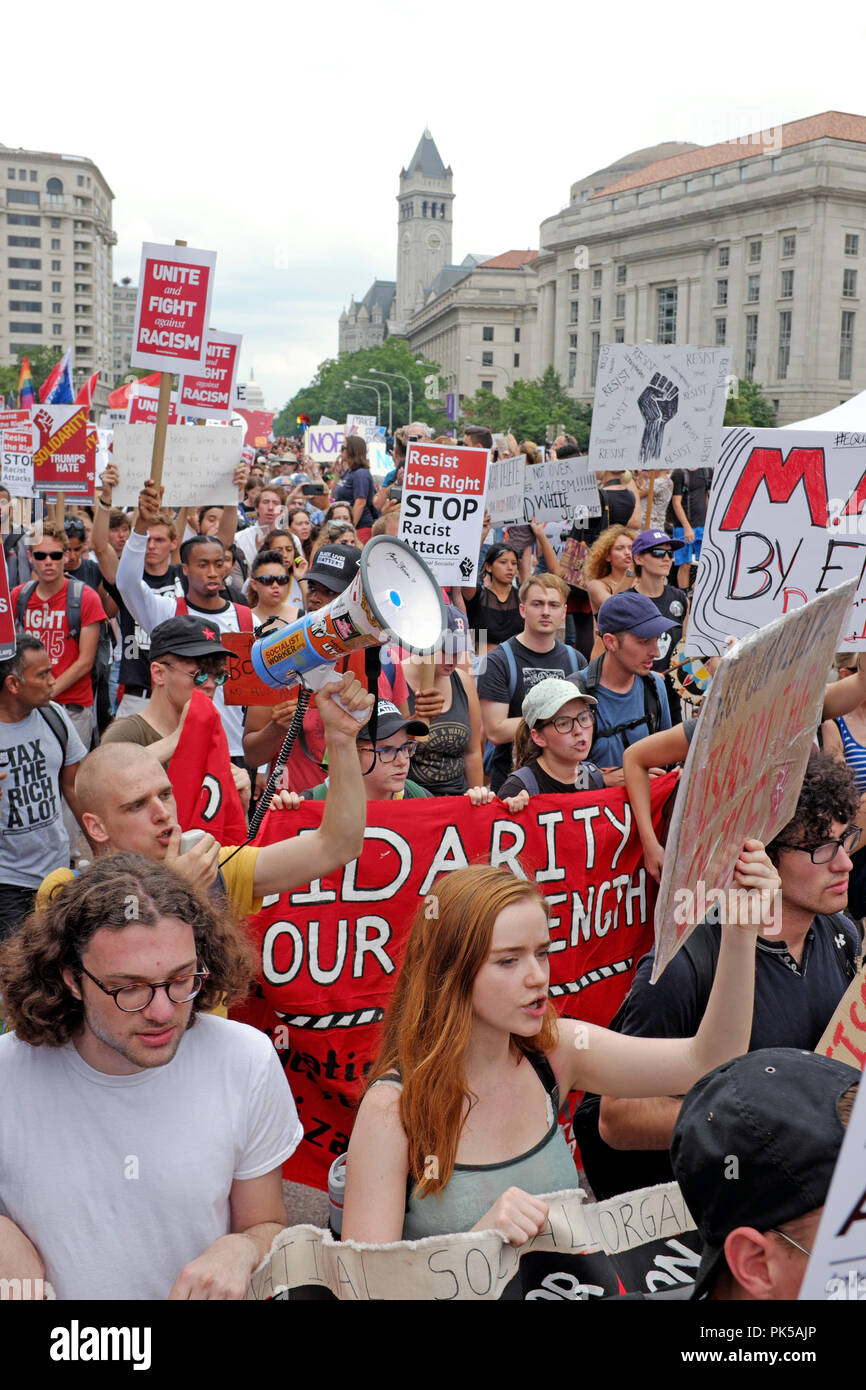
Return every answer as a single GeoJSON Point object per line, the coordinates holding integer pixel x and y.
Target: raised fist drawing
{"type": "Point", "coordinates": [42, 421]}
{"type": "Point", "coordinates": [658, 403]}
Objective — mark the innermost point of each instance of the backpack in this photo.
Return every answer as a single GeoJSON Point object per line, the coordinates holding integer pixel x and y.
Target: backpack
{"type": "Point", "coordinates": [102, 659]}
{"type": "Point", "coordinates": [57, 725]}
{"type": "Point", "coordinates": [652, 706]}
{"type": "Point", "coordinates": [592, 778]}
{"type": "Point", "coordinates": [490, 749]}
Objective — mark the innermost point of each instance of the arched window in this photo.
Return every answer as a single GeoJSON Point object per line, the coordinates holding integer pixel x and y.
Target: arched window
{"type": "Point", "coordinates": [54, 186]}
{"type": "Point", "coordinates": [441, 209]}
{"type": "Point", "coordinates": [424, 208]}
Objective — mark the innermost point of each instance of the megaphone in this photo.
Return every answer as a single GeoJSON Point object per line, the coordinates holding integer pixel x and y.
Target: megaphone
{"type": "Point", "coordinates": [393, 597]}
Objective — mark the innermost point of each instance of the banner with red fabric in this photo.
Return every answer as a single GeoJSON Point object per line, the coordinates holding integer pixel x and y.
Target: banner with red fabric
{"type": "Point", "coordinates": [200, 773]}
{"type": "Point", "coordinates": [329, 952]}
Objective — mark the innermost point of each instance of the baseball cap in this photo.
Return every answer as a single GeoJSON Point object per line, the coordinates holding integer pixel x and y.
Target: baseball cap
{"type": "Point", "coordinates": [647, 539]}
{"type": "Point", "coordinates": [334, 567]}
{"type": "Point", "coordinates": [547, 698]}
{"type": "Point", "coordinates": [776, 1110]}
{"type": "Point", "coordinates": [457, 638]}
{"type": "Point", "coordinates": [631, 612]}
{"type": "Point", "coordinates": [186, 636]}
{"type": "Point", "coordinates": [391, 721]}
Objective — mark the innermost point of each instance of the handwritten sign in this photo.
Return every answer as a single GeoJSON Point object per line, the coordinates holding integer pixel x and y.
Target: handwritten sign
{"type": "Point", "coordinates": [442, 514]}
{"type": "Point", "coordinates": [16, 460]}
{"type": "Point", "coordinates": [504, 500]}
{"type": "Point", "coordinates": [658, 407]}
{"type": "Point", "coordinates": [171, 316]}
{"type": "Point", "coordinates": [200, 461]}
{"type": "Point", "coordinates": [553, 490]}
{"type": "Point", "coordinates": [243, 686]}
{"type": "Point", "coordinates": [837, 1269]}
{"type": "Point", "coordinates": [845, 1035]}
{"type": "Point", "coordinates": [209, 396]}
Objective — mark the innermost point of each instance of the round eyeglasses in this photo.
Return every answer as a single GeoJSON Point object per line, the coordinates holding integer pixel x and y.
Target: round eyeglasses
{"type": "Point", "coordinates": [200, 677]}
{"type": "Point", "coordinates": [131, 999]}
{"type": "Point", "coordinates": [564, 723]}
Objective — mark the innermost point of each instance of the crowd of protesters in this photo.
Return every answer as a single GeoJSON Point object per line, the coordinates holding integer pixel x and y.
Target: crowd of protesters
{"type": "Point", "coordinates": [557, 675]}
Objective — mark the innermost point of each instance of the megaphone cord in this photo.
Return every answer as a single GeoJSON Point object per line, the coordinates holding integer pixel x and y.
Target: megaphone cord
{"type": "Point", "coordinates": [277, 772]}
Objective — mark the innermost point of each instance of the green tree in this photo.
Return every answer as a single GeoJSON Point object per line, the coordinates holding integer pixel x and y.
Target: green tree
{"type": "Point", "coordinates": [529, 408]}
{"type": "Point", "coordinates": [42, 361]}
{"type": "Point", "coordinates": [328, 395]}
{"type": "Point", "coordinates": [749, 406]}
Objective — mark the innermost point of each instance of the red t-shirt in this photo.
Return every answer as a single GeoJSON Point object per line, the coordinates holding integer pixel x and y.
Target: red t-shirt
{"type": "Point", "coordinates": [45, 618]}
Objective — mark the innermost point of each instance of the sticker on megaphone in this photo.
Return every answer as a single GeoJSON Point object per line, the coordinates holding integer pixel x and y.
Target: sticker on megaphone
{"type": "Point", "coordinates": [393, 597]}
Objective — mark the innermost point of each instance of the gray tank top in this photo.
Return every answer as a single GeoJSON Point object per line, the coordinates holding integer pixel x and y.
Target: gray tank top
{"type": "Point", "coordinates": [472, 1189]}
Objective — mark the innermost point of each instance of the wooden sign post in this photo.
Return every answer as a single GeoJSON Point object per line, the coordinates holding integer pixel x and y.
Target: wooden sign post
{"type": "Point", "coordinates": [162, 408]}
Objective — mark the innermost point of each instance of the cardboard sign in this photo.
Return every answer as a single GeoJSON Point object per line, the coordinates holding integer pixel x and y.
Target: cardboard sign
{"type": "Point", "coordinates": [143, 406]}
{"type": "Point", "coordinates": [16, 459]}
{"type": "Point", "coordinates": [553, 490]}
{"type": "Point", "coordinates": [658, 407]}
{"type": "Point", "coordinates": [243, 686]}
{"type": "Point", "coordinates": [746, 762]}
{"type": "Point", "coordinates": [442, 515]}
{"type": "Point", "coordinates": [60, 453]}
{"type": "Point", "coordinates": [845, 1035]}
{"type": "Point", "coordinates": [504, 499]}
{"type": "Point", "coordinates": [8, 639]}
{"type": "Point", "coordinates": [258, 426]}
{"type": "Point", "coordinates": [837, 1269]}
{"type": "Point", "coordinates": [210, 396]}
{"type": "Point", "coordinates": [785, 522]}
{"type": "Point", "coordinates": [364, 425]}
{"type": "Point", "coordinates": [173, 309]}
{"type": "Point", "coordinates": [324, 442]}
{"type": "Point", "coordinates": [200, 461]}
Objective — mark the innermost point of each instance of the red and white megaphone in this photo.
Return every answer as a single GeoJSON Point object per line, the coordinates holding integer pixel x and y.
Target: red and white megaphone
{"type": "Point", "coordinates": [393, 598]}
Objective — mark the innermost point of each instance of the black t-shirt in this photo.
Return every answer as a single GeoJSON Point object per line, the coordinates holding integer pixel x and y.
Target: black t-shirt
{"type": "Point", "coordinates": [88, 572]}
{"type": "Point", "coordinates": [672, 604]}
{"type": "Point", "coordinates": [134, 640]}
{"type": "Point", "coordinates": [531, 667]}
{"type": "Point", "coordinates": [693, 485]}
{"type": "Point", "coordinates": [513, 785]}
{"type": "Point", "coordinates": [486, 613]}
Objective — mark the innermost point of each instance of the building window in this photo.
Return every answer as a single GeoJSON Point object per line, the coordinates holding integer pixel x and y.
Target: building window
{"type": "Point", "coordinates": [596, 277]}
{"type": "Point", "coordinates": [57, 330]}
{"type": "Point", "coordinates": [56, 265]}
{"type": "Point", "coordinates": [517, 359]}
{"type": "Point", "coordinates": [32, 241]}
{"type": "Point", "coordinates": [25, 285]}
{"type": "Point", "coordinates": [724, 255]}
{"type": "Point", "coordinates": [22, 175]}
{"type": "Point", "coordinates": [22, 195]}
{"type": "Point", "coordinates": [487, 335]}
{"type": "Point", "coordinates": [55, 243]}
{"type": "Point", "coordinates": [54, 222]}
{"type": "Point", "coordinates": [593, 366]}
{"type": "Point", "coordinates": [25, 306]}
{"type": "Point", "coordinates": [754, 251]}
{"type": "Point", "coordinates": [784, 344]}
{"type": "Point", "coordinates": [846, 345]}
{"type": "Point", "coordinates": [58, 309]}
{"type": "Point", "coordinates": [721, 332]}
{"type": "Point", "coordinates": [487, 359]}
{"type": "Point", "coordinates": [572, 341]}
{"type": "Point", "coordinates": [718, 179]}
{"type": "Point", "coordinates": [22, 219]}
{"type": "Point", "coordinates": [56, 286]}
{"type": "Point", "coordinates": [852, 244]}
{"type": "Point", "coordinates": [35, 328]}
{"type": "Point", "coordinates": [572, 366]}
{"type": "Point", "coordinates": [775, 164]}
{"type": "Point", "coordinates": [721, 291]}
{"type": "Point", "coordinates": [517, 335]}
{"type": "Point", "coordinates": [787, 289]}
{"type": "Point", "coordinates": [80, 180]}
{"type": "Point", "coordinates": [10, 173]}
{"type": "Point", "coordinates": [619, 307]}
{"type": "Point", "coordinates": [619, 335]}
{"type": "Point", "coordinates": [487, 386]}
{"type": "Point", "coordinates": [23, 263]}
{"type": "Point", "coordinates": [424, 208]}
{"type": "Point", "coordinates": [667, 315]}
{"type": "Point", "coordinates": [572, 311]}
{"type": "Point", "coordinates": [789, 244]}
{"type": "Point", "coordinates": [849, 284]}
{"type": "Point", "coordinates": [575, 282]}
{"type": "Point", "coordinates": [621, 272]}
{"type": "Point", "coordinates": [751, 345]}
{"type": "Point", "coordinates": [596, 310]}
{"type": "Point", "coordinates": [753, 289]}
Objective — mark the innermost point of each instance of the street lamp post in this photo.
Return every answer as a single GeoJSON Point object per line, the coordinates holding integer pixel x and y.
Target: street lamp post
{"type": "Point", "coordinates": [366, 386]}
{"type": "Point", "coordinates": [378, 371]}
{"type": "Point", "coordinates": [390, 400]}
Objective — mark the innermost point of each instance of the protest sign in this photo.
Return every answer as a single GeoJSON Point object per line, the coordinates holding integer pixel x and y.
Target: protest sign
{"type": "Point", "coordinates": [554, 489]}
{"type": "Point", "coordinates": [199, 464]}
{"type": "Point", "coordinates": [209, 396]}
{"type": "Point", "coordinates": [8, 636]}
{"type": "Point", "coordinates": [504, 498]}
{"type": "Point", "coordinates": [642, 1241]}
{"type": "Point", "coordinates": [60, 453]}
{"type": "Point", "coordinates": [329, 952]}
{"type": "Point", "coordinates": [257, 425]}
{"type": "Point", "coordinates": [87, 496]}
{"type": "Point", "coordinates": [243, 686]}
{"type": "Point", "coordinates": [324, 442]}
{"type": "Point", "coordinates": [837, 1269]}
{"type": "Point", "coordinates": [143, 405]}
{"type": "Point", "coordinates": [658, 406]}
{"type": "Point", "coordinates": [10, 418]}
{"type": "Point", "coordinates": [364, 425]}
{"type": "Point", "coordinates": [746, 763]}
{"type": "Point", "coordinates": [786, 521]}
{"type": "Point", "coordinates": [845, 1035]}
{"type": "Point", "coordinates": [171, 316]}
{"type": "Point", "coordinates": [16, 459]}
{"type": "Point", "coordinates": [442, 515]}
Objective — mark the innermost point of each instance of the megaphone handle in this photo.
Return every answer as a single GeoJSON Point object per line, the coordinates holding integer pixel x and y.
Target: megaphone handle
{"type": "Point", "coordinates": [278, 768]}
{"type": "Point", "coordinates": [321, 676]}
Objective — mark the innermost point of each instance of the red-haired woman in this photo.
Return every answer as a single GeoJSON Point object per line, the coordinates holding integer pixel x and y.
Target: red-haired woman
{"type": "Point", "coordinates": [463, 1098]}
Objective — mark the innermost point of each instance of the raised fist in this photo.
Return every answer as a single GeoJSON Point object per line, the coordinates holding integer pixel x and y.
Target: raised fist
{"type": "Point", "coordinates": [658, 403]}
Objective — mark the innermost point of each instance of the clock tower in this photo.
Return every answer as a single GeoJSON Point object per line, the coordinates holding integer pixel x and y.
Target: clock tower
{"type": "Point", "coordinates": [424, 224]}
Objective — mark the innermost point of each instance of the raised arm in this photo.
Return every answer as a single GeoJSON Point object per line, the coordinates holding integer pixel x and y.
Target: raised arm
{"type": "Point", "coordinates": [657, 750]}
{"type": "Point", "coordinates": [105, 553]}
{"type": "Point", "coordinates": [147, 607]}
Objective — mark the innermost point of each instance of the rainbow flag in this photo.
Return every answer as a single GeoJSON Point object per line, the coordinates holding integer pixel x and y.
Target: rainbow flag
{"type": "Point", "coordinates": [26, 397]}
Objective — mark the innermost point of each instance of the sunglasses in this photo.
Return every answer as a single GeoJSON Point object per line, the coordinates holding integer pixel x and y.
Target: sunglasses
{"type": "Point", "coordinates": [281, 579]}
{"type": "Point", "coordinates": [199, 677]}
{"type": "Point", "coordinates": [660, 552]}
{"type": "Point", "coordinates": [48, 554]}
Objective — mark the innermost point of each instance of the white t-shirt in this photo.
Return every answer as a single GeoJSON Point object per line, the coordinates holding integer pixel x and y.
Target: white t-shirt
{"type": "Point", "coordinates": [119, 1181]}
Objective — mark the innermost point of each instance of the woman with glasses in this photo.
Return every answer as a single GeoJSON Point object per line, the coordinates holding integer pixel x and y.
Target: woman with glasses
{"type": "Point", "coordinates": [551, 745]}
{"type": "Point", "coordinates": [268, 588]}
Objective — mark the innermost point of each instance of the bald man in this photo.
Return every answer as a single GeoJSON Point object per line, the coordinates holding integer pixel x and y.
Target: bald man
{"type": "Point", "coordinates": [127, 803]}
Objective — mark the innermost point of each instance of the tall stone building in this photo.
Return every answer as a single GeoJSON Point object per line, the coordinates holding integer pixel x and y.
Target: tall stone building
{"type": "Point", "coordinates": [55, 278]}
{"type": "Point", "coordinates": [124, 298]}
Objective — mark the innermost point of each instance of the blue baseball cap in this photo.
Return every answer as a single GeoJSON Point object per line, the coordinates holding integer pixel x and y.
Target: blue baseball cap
{"type": "Point", "coordinates": [631, 612]}
{"type": "Point", "coordinates": [647, 540]}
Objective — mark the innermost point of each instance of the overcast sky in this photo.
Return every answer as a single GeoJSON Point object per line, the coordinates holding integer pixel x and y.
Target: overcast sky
{"type": "Point", "coordinates": [275, 133]}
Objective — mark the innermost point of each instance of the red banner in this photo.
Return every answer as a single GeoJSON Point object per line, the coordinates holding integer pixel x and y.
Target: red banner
{"type": "Point", "coordinates": [258, 426]}
{"type": "Point", "coordinates": [329, 952]}
{"type": "Point", "coordinates": [201, 775]}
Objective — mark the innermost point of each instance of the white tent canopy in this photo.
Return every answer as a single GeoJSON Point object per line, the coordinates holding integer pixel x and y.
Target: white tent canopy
{"type": "Point", "coordinates": [849, 416]}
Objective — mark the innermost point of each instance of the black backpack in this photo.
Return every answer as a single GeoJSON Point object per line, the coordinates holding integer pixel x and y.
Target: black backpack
{"type": "Point", "coordinates": [652, 715]}
{"type": "Point", "coordinates": [102, 659]}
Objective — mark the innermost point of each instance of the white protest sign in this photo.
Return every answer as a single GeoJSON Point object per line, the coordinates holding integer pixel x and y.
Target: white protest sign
{"type": "Point", "coordinates": [746, 762]}
{"type": "Point", "coordinates": [324, 442]}
{"type": "Point", "coordinates": [209, 394]}
{"type": "Point", "coordinates": [16, 460]}
{"type": "Point", "coordinates": [504, 499]}
{"type": "Point", "coordinates": [658, 407]}
{"type": "Point", "coordinates": [553, 490]}
{"type": "Point", "coordinates": [200, 461]}
{"type": "Point", "coordinates": [837, 1269]}
{"type": "Point", "coordinates": [785, 522]}
{"type": "Point", "coordinates": [442, 514]}
{"type": "Point", "coordinates": [360, 424]}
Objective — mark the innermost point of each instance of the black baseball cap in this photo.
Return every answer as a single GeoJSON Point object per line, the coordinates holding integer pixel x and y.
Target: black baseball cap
{"type": "Point", "coordinates": [186, 636]}
{"type": "Point", "coordinates": [334, 567]}
{"type": "Point", "coordinates": [391, 721]}
{"type": "Point", "coordinates": [774, 1110]}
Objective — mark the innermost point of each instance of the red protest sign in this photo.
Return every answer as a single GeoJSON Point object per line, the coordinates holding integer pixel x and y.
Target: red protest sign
{"type": "Point", "coordinates": [10, 418]}
{"type": "Point", "coordinates": [443, 508]}
{"type": "Point", "coordinates": [60, 458]}
{"type": "Point", "coordinates": [243, 686]}
{"type": "Point", "coordinates": [175, 287]}
{"type": "Point", "coordinates": [209, 395]}
{"type": "Point", "coordinates": [143, 406]}
{"type": "Point", "coordinates": [258, 426]}
{"type": "Point", "coordinates": [88, 496]}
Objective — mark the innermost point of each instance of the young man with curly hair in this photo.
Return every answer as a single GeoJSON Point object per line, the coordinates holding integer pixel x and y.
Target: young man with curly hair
{"type": "Point", "coordinates": [142, 1138]}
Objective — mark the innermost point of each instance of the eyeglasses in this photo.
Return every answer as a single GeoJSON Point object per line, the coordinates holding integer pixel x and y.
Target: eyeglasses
{"type": "Point", "coordinates": [791, 1241]}
{"type": "Point", "coordinates": [48, 554]}
{"type": "Point", "coordinates": [564, 723]}
{"type": "Point", "coordinates": [660, 552]}
{"type": "Point", "coordinates": [390, 754]}
{"type": "Point", "coordinates": [200, 677]}
{"type": "Point", "coordinates": [131, 999]}
{"type": "Point", "coordinates": [281, 579]}
{"type": "Point", "coordinates": [823, 853]}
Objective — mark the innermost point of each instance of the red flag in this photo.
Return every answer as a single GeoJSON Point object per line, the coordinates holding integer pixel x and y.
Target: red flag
{"type": "Point", "coordinates": [119, 399]}
{"type": "Point", "coordinates": [201, 775]}
{"type": "Point", "coordinates": [85, 395]}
